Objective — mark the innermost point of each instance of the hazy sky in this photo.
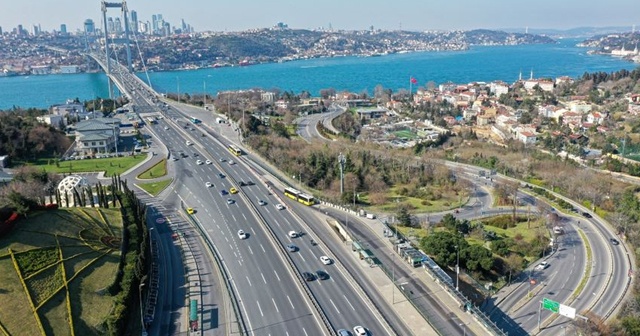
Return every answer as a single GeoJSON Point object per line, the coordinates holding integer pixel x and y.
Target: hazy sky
{"type": "Point", "coordinates": [341, 14]}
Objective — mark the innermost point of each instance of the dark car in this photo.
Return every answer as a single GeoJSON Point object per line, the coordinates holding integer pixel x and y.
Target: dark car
{"type": "Point", "coordinates": [344, 332]}
{"type": "Point", "coordinates": [292, 248]}
{"type": "Point", "coordinates": [223, 192]}
{"type": "Point", "coordinates": [322, 275]}
{"type": "Point", "coordinates": [249, 183]}
{"type": "Point", "coordinates": [586, 214]}
{"type": "Point", "coordinates": [184, 155]}
{"type": "Point", "coordinates": [242, 184]}
{"type": "Point", "coordinates": [308, 276]}
{"type": "Point", "coordinates": [614, 241]}
{"type": "Point", "coordinates": [220, 175]}
{"type": "Point", "coordinates": [196, 154]}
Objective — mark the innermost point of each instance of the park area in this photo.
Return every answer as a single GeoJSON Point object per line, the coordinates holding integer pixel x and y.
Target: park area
{"type": "Point", "coordinates": [110, 166]}
{"type": "Point", "coordinates": [55, 268]}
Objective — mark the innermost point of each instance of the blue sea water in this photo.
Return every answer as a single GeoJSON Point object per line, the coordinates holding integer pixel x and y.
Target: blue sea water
{"type": "Point", "coordinates": [481, 63]}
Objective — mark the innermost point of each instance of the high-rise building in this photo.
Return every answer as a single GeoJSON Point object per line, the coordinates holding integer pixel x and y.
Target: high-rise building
{"type": "Point", "coordinates": [89, 27]}
{"type": "Point", "coordinates": [134, 21]}
{"type": "Point", "coordinates": [20, 30]}
{"type": "Point", "coordinates": [36, 30]}
{"type": "Point", "coordinates": [117, 26]}
{"type": "Point", "coordinates": [63, 28]}
{"type": "Point", "coordinates": [110, 25]}
{"type": "Point", "coordinates": [0, 31]}
{"type": "Point", "coordinates": [154, 23]}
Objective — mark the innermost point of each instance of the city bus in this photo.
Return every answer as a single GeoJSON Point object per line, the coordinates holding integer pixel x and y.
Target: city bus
{"type": "Point", "coordinates": [299, 196]}
{"type": "Point", "coordinates": [235, 150]}
{"type": "Point", "coordinates": [195, 120]}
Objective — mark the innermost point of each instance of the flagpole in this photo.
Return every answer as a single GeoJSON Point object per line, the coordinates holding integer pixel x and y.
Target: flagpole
{"type": "Point", "coordinates": [410, 86]}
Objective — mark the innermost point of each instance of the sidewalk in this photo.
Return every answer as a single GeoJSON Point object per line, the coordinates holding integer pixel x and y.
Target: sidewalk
{"type": "Point", "coordinates": [438, 290]}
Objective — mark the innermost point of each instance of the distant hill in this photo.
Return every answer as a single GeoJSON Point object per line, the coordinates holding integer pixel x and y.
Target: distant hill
{"type": "Point", "coordinates": [579, 32]}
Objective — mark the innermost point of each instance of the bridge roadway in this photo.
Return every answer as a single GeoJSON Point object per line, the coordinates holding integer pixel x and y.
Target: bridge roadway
{"type": "Point", "coordinates": [269, 291]}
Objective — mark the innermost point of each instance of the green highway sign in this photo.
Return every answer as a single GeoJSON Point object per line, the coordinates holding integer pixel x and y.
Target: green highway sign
{"type": "Point", "coordinates": [550, 305]}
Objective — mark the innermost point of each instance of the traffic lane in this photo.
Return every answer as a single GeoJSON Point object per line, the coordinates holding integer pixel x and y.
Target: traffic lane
{"type": "Point", "coordinates": [334, 294]}
{"type": "Point", "coordinates": [558, 281]}
{"type": "Point", "coordinates": [419, 295]}
{"type": "Point", "coordinates": [266, 306]}
{"type": "Point", "coordinates": [600, 273]}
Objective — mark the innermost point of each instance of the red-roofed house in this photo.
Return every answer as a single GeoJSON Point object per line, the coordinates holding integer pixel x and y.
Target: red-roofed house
{"type": "Point", "coordinates": [527, 138]}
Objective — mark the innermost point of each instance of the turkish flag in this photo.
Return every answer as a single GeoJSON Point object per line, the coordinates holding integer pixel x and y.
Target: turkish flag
{"type": "Point", "coordinates": [413, 80]}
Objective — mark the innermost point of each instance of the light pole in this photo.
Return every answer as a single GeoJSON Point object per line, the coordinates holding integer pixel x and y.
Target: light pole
{"type": "Point", "coordinates": [457, 266]}
{"type": "Point", "coordinates": [204, 94]}
{"type": "Point", "coordinates": [144, 330]}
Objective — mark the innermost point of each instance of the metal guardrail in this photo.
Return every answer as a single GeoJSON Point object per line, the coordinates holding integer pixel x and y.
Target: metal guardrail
{"type": "Point", "coordinates": [227, 283]}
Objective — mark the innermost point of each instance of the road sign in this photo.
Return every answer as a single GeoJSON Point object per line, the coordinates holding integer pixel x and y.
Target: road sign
{"type": "Point", "coordinates": [550, 305]}
{"type": "Point", "coordinates": [160, 220]}
{"type": "Point", "coordinates": [567, 311]}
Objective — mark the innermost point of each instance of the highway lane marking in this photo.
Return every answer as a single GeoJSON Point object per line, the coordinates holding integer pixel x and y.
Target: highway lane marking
{"type": "Point", "coordinates": [291, 303]}
{"type": "Point", "coordinates": [258, 303]}
{"type": "Point", "coordinates": [245, 217]}
{"type": "Point", "coordinates": [227, 239]}
{"type": "Point", "coordinates": [302, 257]}
{"type": "Point", "coordinates": [277, 276]}
{"type": "Point", "coordinates": [275, 305]}
{"type": "Point", "coordinates": [263, 250]}
{"type": "Point", "coordinates": [234, 217]}
{"type": "Point", "coordinates": [349, 302]}
{"type": "Point", "coordinates": [250, 250]}
{"type": "Point", "coordinates": [249, 281]}
{"type": "Point", "coordinates": [334, 306]}
{"type": "Point", "coordinates": [263, 279]}
{"type": "Point", "coordinates": [305, 331]}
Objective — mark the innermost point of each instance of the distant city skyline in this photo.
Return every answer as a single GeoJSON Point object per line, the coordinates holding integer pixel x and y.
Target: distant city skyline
{"type": "Point", "coordinates": [351, 15]}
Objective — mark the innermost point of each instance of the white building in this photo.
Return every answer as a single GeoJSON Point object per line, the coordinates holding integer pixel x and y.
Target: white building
{"type": "Point", "coordinates": [498, 88]}
{"type": "Point", "coordinates": [527, 138]}
{"type": "Point", "coordinates": [97, 135]}
{"type": "Point", "coordinates": [54, 120]}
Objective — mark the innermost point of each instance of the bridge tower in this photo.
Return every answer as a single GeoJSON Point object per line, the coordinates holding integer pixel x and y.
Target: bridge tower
{"type": "Point", "coordinates": [114, 40]}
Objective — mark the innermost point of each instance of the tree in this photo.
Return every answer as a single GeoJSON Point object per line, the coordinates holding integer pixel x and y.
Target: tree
{"type": "Point", "coordinates": [477, 258]}
{"type": "Point", "coordinates": [514, 263]}
{"type": "Point", "coordinates": [442, 246]}
{"type": "Point", "coordinates": [404, 217]}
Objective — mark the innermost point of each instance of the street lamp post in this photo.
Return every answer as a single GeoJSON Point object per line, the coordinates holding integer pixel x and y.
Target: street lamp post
{"type": "Point", "coordinates": [457, 266]}
{"type": "Point", "coordinates": [144, 330]}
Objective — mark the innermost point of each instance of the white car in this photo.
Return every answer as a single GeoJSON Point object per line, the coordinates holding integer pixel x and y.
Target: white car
{"type": "Point", "coordinates": [230, 201]}
{"type": "Point", "coordinates": [360, 331]}
{"type": "Point", "coordinates": [261, 202]}
{"type": "Point", "coordinates": [199, 162]}
{"type": "Point", "coordinates": [231, 162]}
{"type": "Point", "coordinates": [189, 143]}
{"type": "Point", "coordinates": [242, 234]}
{"type": "Point", "coordinates": [166, 128]}
{"type": "Point", "coordinates": [325, 260]}
{"type": "Point", "coordinates": [293, 234]}
{"type": "Point", "coordinates": [208, 184]}
{"type": "Point", "coordinates": [542, 266]}
{"type": "Point", "coordinates": [279, 206]}
{"type": "Point", "coordinates": [208, 162]}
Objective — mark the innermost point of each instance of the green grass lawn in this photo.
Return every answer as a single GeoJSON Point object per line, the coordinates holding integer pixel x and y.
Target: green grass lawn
{"type": "Point", "coordinates": [447, 202]}
{"type": "Point", "coordinates": [158, 170]}
{"type": "Point", "coordinates": [109, 165]}
{"type": "Point", "coordinates": [154, 188]}
{"type": "Point", "coordinates": [405, 134]}
{"type": "Point", "coordinates": [89, 266]}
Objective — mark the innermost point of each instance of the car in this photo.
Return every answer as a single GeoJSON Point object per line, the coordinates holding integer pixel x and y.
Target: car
{"type": "Point", "coordinates": [293, 234]}
{"type": "Point", "coordinates": [242, 184]}
{"type": "Point", "coordinates": [189, 143]}
{"type": "Point", "coordinates": [231, 162]}
{"type": "Point", "coordinates": [308, 276]}
{"type": "Point", "coordinates": [208, 162]}
{"type": "Point", "coordinates": [193, 129]}
{"type": "Point", "coordinates": [322, 275]}
{"type": "Point", "coordinates": [542, 265]}
{"type": "Point", "coordinates": [230, 201]}
{"type": "Point", "coordinates": [191, 211]}
{"type": "Point", "coordinates": [184, 155]}
{"type": "Point", "coordinates": [166, 128]}
{"type": "Point", "coordinates": [325, 260]}
{"type": "Point", "coordinates": [223, 159]}
{"type": "Point", "coordinates": [242, 234]}
{"type": "Point", "coordinates": [279, 206]}
{"type": "Point", "coordinates": [250, 183]}
{"type": "Point", "coordinates": [360, 331]}
{"type": "Point", "coordinates": [261, 202]}
{"type": "Point", "coordinates": [174, 158]}
{"type": "Point", "coordinates": [586, 215]}
{"type": "Point", "coordinates": [614, 241]}
{"type": "Point", "coordinates": [223, 192]}
{"type": "Point", "coordinates": [199, 162]}
{"type": "Point", "coordinates": [195, 154]}
{"type": "Point", "coordinates": [292, 248]}
{"type": "Point", "coordinates": [220, 175]}
{"type": "Point", "coordinates": [344, 332]}
{"type": "Point", "coordinates": [233, 190]}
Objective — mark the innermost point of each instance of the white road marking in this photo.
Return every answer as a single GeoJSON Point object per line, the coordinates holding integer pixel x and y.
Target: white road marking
{"type": "Point", "coordinates": [305, 331]}
{"type": "Point", "coordinates": [263, 279]}
{"type": "Point", "coordinates": [249, 281]}
{"type": "Point", "coordinates": [258, 303]}
{"type": "Point", "coordinates": [345, 298]}
{"type": "Point", "coordinates": [263, 250]}
{"type": "Point", "coordinates": [291, 303]}
{"type": "Point", "coordinates": [334, 306]}
{"type": "Point", "coordinates": [275, 305]}
{"type": "Point", "coordinates": [245, 217]}
{"type": "Point", "coordinates": [250, 250]}
{"type": "Point", "coordinates": [277, 275]}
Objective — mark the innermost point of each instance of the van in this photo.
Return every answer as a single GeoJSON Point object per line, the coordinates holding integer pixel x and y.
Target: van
{"type": "Point", "coordinates": [371, 216]}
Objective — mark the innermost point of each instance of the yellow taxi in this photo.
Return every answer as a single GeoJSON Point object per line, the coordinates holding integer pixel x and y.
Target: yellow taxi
{"type": "Point", "coordinates": [190, 211]}
{"type": "Point", "coordinates": [233, 190]}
